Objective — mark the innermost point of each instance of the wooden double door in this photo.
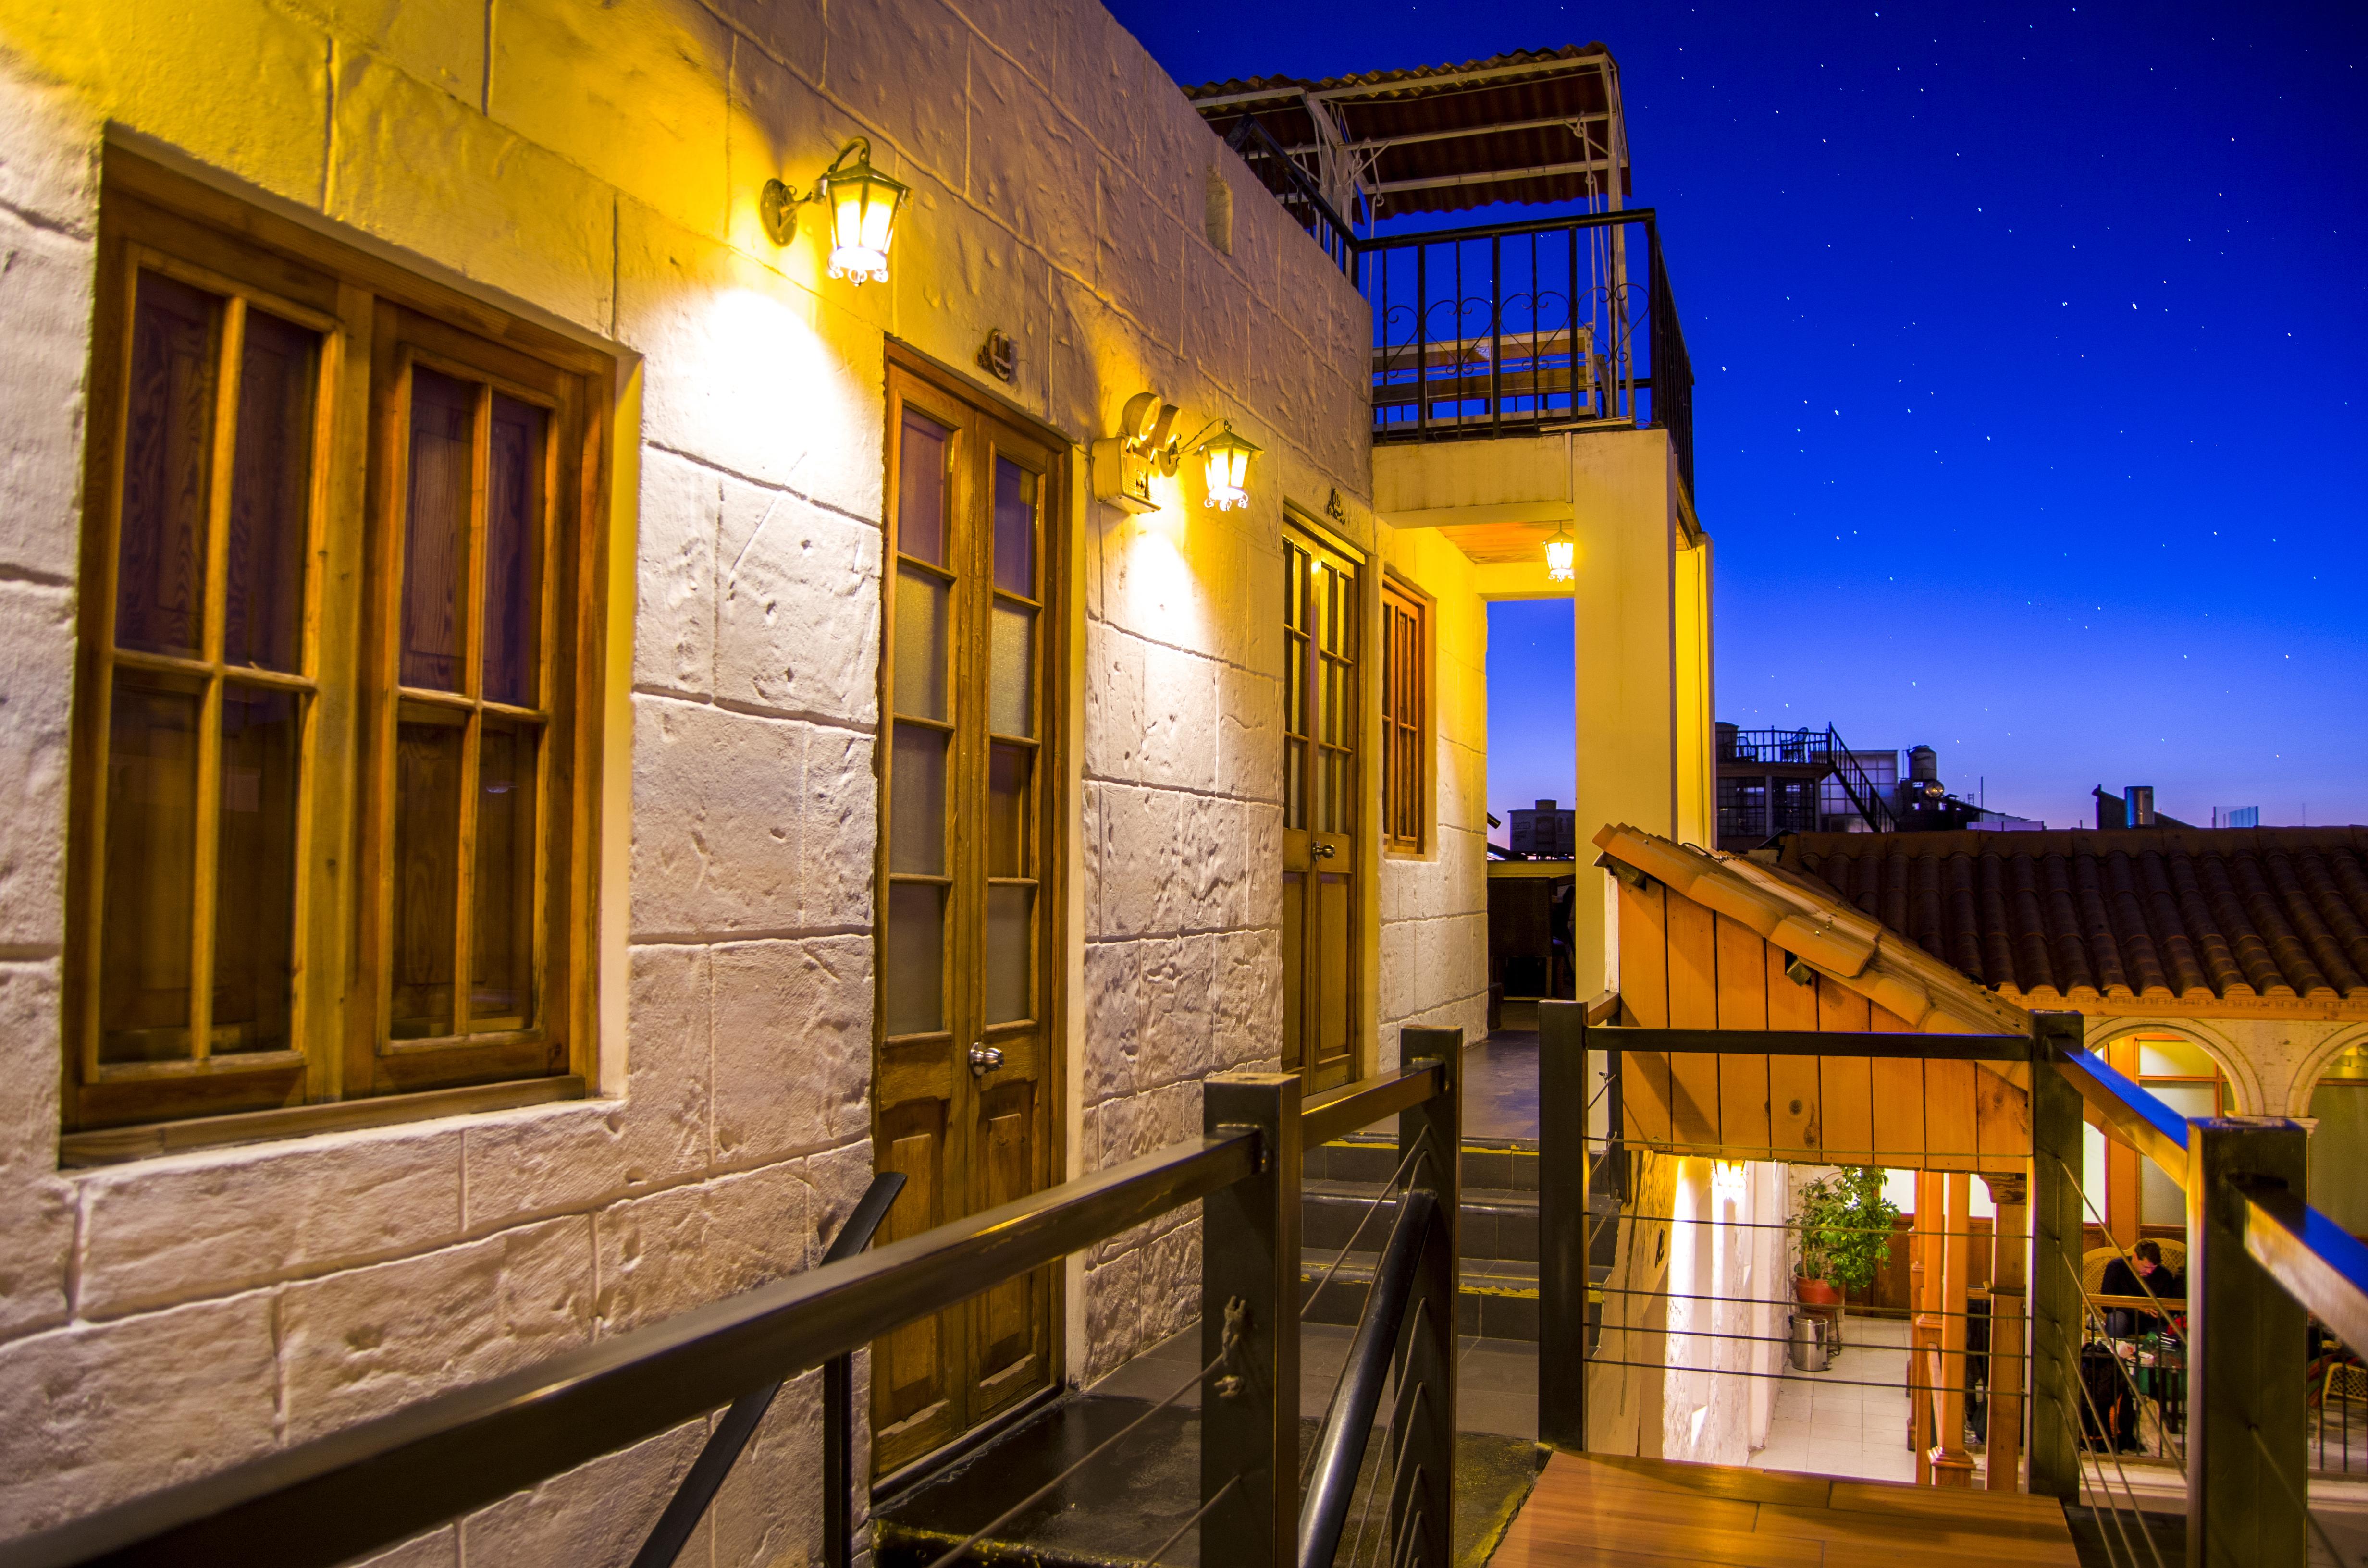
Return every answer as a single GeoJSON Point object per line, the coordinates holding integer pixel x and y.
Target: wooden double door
{"type": "Point", "coordinates": [968, 945]}
{"type": "Point", "coordinates": [1322, 784]}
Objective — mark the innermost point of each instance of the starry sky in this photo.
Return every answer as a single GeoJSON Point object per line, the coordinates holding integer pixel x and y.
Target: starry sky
{"type": "Point", "coordinates": [2032, 346]}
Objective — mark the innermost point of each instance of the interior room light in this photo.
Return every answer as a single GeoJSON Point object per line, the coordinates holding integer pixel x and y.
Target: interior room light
{"type": "Point", "coordinates": [1227, 457]}
{"type": "Point", "coordinates": [1562, 557]}
{"type": "Point", "coordinates": [863, 204]}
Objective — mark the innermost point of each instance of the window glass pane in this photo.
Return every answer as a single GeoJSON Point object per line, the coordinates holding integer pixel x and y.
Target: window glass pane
{"type": "Point", "coordinates": [916, 808]}
{"type": "Point", "coordinates": [921, 489]}
{"type": "Point", "coordinates": [501, 909]}
{"type": "Point", "coordinates": [426, 875]}
{"type": "Point", "coordinates": [1011, 656]}
{"type": "Point", "coordinates": [2338, 1156]}
{"type": "Point", "coordinates": [514, 472]}
{"type": "Point", "coordinates": [167, 458]}
{"type": "Point", "coordinates": [1009, 951]}
{"type": "Point", "coordinates": [1015, 529]}
{"type": "Point", "coordinates": [436, 533]}
{"type": "Point", "coordinates": [1008, 768]}
{"type": "Point", "coordinates": [254, 876]}
{"type": "Point", "coordinates": [1294, 774]}
{"type": "Point", "coordinates": [150, 875]}
{"type": "Point", "coordinates": [2173, 1058]}
{"type": "Point", "coordinates": [920, 644]}
{"type": "Point", "coordinates": [2161, 1200]}
{"type": "Point", "coordinates": [914, 963]}
{"type": "Point", "coordinates": [270, 494]}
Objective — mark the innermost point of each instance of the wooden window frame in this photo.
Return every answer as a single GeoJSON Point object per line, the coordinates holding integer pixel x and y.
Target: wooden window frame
{"type": "Point", "coordinates": [375, 320]}
{"type": "Point", "coordinates": [1409, 747]}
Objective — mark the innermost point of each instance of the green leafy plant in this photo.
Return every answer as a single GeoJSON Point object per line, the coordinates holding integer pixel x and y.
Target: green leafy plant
{"type": "Point", "coordinates": [1844, 1227]}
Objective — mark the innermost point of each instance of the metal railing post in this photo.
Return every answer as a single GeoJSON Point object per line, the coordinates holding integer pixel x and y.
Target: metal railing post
{"type": "Point", "coordinates": [1422, 1504]}
{"type": "Point", "coordinates": [2054, 1284]}
{"type": "Point", "coordinates": [1249, 1312]}
{"type": "Point", "coordinates": [2246, 1447]}
{"type": "Point", "coordinates": [1562, 1225]}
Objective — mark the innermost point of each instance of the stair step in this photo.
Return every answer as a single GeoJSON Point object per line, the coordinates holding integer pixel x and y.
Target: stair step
{"type": "Point", "coordinates": [1497, 1223]}
{"type": "Point", "coordinates": [1497, 1298]}
{"type": "Point", "coordinates": [1507, 1164]}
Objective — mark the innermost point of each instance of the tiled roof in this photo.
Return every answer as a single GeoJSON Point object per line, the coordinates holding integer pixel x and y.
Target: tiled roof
{"type": "Point", "coordinates": [2196, 914]}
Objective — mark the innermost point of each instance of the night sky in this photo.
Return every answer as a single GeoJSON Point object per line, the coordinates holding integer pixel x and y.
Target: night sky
{"type": "Point", "coordinates": [2032, 360]}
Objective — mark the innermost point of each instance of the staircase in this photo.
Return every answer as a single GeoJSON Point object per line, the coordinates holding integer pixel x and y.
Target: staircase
{"type": "Point", "coordinates": [1497, 1296]}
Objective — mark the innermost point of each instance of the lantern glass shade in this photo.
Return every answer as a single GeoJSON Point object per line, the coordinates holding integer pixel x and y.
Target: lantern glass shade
{"type": "Point", "coordinates": [1562, 558]}
{"type": "Point", "coordinates": [1227, 459]}
{"type": "Point", "coordinates": [863, 204]}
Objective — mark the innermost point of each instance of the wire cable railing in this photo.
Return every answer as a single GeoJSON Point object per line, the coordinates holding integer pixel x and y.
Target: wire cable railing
{"type": "Point", "coordinates": [369, 1486]}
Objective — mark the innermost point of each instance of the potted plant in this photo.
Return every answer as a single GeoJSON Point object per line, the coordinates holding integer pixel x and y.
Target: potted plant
{"type": "Point", "coordinates": [1844, 1227]}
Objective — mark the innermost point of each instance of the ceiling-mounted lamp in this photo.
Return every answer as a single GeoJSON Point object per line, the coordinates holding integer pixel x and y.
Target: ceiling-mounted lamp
{"type": "Point", "coordinates": [862, 202]}
{"type": "Point", "coordinates": [1226, 456]}
{"type": "Point", "coordinates": [1562, 557]}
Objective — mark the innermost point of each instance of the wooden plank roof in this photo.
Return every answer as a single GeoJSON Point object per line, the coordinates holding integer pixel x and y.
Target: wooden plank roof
{"type": "Point", "coordinates": [1532, 125]}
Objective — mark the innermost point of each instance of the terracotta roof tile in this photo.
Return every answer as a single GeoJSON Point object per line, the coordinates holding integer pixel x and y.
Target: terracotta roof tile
{"type": "Point", "coordinates": [2177, 911]}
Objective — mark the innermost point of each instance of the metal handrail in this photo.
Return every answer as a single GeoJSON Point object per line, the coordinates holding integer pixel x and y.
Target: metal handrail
{"type": "Point", "coordinates": [1348, 1427]}
{"type": "Point", "coordinates": [336, 1497]}
{"type": "Point", "coordinates": [724, 1447]}
{"type": "Point", "coordinates": [2128, 1113]}
{"type": "Point", "coordinates": [379, 1481]}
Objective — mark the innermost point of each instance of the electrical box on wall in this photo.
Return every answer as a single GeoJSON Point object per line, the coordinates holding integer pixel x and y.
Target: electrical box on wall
{"type": "Point", "coordinates": [1145, 443]}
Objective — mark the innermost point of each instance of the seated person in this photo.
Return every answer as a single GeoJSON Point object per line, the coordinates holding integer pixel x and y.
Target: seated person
{"type": "Point", "coordinates": [2121, 1280]}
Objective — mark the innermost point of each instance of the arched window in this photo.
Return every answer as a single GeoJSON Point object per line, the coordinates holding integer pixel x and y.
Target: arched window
{"type": "Point", "coordinates": [2338, 1142]}
{"type": "Point", "coordinates": [2133, 1190]}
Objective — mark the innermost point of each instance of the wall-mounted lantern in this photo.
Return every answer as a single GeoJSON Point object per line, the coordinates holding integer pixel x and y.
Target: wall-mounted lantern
{"type": "Point", "coordinates": [1562, 557]}
{"type": "Point", "coordinates": [1124, 462]}
{"type": "Point", "coordinates": [1227, 457]}
{"type": "Point", "coordinates": [862, 202]}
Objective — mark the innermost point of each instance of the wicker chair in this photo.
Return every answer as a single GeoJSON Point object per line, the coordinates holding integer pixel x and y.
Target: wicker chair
{"type": "Point", "coordinates": [2093, 1262]}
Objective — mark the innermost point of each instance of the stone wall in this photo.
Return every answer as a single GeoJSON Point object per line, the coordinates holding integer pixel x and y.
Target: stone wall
{"type": "Point", "coordinates": [598, 168]}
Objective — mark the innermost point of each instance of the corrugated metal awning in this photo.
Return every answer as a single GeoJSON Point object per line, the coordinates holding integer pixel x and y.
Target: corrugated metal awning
{"type": "Point", "coordinates": [1532, 126]}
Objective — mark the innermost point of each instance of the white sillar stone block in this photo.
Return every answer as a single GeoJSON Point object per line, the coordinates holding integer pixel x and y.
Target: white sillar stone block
{"type": "Point", "coordinates": [687, 1245]}
{"type": "Point", "coordinates": [793, 1045]}
{"type": "Point", "coordinates": [718, 809]}
{"type": "Point", "coordinates": [100, 1413]}
{"type": "Point", "coordinates": [186, 1227]}
{"type": "Point", "coordinates": [674, 625]}
{"type": "Point", "coordinates": [45, 297]}
{"type": "Point", "coordinates": [599, 1512]}
{"type": "Point", "coordinates": [36, 687]}
{"type": "Point", "coordinates": [797, 618]}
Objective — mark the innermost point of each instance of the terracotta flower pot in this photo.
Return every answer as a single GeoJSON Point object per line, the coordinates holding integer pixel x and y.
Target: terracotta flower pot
{"type": "Point", "coordinates": [1816, 1292]}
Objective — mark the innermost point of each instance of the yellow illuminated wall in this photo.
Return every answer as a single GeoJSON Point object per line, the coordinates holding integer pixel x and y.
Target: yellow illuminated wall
{"type": "Point", "coordinates": [597, 168]}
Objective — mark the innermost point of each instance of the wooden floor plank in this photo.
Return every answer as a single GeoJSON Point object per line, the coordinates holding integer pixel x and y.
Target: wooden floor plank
{"type": "Point", "coordinates": [1621, 1512]}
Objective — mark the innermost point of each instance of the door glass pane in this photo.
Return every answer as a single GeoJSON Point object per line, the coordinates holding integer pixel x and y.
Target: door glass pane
{"type": "Point", "coordinates": [1294, 774]}
{"type": "Point", "coordinates": [921, 489]}
{"type": "Point", "coordinates": [1008, 775]}
{"type": "Point", "coordinates": [1011, 657]}
{"type": "Point", "coordinates": [912, 969]}
{"type": "Point", "coordinates": [1015, 529]}
{"type": "Point", "coordinates": [270, 494]}
{"type": "Point", "coordinates": [150, 876]}
{"type": "Point", "coordinates": [1008, 950]}
{"type": "Point", "coordinates": [917, 806]}
{"type": "Point", "coordinates": [167, 463]}
{"type": "Point", "coordinates": [426, 874]}
{"type": "Point", "coordinates": [255, 889]}
{"type": "Point", "coordinates": [501, 911]}
{"type": "Point", "coordinates": [514, 504]}
{"type": "Point", "coordinates": [436, 533]}
{"type": "Point", "coordinates": [920, 644]}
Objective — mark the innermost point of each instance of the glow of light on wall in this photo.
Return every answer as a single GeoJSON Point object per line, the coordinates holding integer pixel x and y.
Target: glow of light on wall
{"type": "Point", "coordinates": [1226, 456]}
{"type": "Point", "coordinates": [1154, 586]}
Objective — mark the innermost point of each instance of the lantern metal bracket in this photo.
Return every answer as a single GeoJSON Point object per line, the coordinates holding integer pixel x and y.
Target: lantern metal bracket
{"type": "Point", "coordinates": [780, 202]}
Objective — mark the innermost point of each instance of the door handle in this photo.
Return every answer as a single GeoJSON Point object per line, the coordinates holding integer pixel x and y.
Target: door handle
{"type": "Point", "coordinates": [985, 1059]}
{"type": "Point", "coordinates": [1323, 852]}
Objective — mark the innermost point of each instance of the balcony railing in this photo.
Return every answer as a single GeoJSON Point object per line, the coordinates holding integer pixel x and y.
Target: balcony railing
{"type": "Point", "coordinates": [1556, 323]}
{"type": "Point", "coordinates": [340, 1497]}
{"type": "Point", "coordinates": [1507, 328]}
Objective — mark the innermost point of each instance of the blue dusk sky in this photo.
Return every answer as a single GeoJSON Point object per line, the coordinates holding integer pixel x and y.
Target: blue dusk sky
{"type": "Point", "coordinates": [2032, 348]}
